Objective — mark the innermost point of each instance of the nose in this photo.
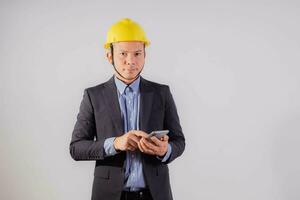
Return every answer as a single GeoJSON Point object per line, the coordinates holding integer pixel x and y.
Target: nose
{"type": "Point", "coordinates": [130, 60]}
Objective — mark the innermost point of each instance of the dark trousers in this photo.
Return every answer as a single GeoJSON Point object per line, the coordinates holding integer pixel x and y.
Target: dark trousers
{"type": "Point", "coordinates": [140, 195]}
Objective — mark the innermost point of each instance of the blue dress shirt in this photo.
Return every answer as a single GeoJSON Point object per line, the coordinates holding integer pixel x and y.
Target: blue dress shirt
{"type": "Point", "coordinates": [129, 100]}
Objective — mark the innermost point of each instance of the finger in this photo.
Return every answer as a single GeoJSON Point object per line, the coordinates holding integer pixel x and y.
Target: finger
{"type": "Point", "coordinates": [140, 147]}
{"type": "Point", "coordinates": [164, 138]}
{"type": "Point", "coordinates": [134, 138]}
{"type": "Point", "coordinates": [128, 148]}
{"type": "Point", "coordinates": [144, 146]}
{"type": "Point", "coordinates": [144, 149]}
{"type": "Point", "coordinates": [132, 143]}
{"type": "Point", "coordinates": [141, 134]}
{"type": "Point", "coordinates": [147, 150]}
{"type": "Point", "coordinates": [149, 145]}
{"type": "Point", "coordinates": [131, 148]}
{"type": "Point", "coordinates": [156, 141]}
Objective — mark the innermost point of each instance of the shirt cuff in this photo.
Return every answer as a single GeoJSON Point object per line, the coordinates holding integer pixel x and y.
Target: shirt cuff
{"type": "Point", "coordinates": [109, 147]}
{"type": "Point", "coordinates": [166, 157]}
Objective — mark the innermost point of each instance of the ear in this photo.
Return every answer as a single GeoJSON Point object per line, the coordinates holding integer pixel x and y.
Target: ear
{"type": "Point", "coordinates": [109, 56]}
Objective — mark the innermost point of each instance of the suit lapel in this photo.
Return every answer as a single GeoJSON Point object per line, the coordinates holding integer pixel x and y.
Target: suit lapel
{"type": "Point", "coordinates": [146, 99]}
{"type": "Point", "coordinates": [111, 100]}
{"type": "Point", "coordinates": [110, 97]}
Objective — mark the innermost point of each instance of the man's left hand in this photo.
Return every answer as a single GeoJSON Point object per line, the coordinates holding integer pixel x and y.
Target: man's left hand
{"type": "Point", "coordinates": [154, 146]}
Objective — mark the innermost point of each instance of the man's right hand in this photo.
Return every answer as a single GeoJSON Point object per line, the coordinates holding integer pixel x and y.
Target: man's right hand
{"type": "Point", "coordinates": [129, 141]}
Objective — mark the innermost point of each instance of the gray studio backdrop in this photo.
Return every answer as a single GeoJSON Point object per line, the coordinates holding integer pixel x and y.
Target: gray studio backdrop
{"type": "Point", "coordinates": [233, 69]}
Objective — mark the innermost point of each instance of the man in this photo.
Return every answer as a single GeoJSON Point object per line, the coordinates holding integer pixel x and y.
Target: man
{"type": "Point", "coordinates": [115, 119]}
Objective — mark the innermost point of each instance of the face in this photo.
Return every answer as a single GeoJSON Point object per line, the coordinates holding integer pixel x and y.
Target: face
{"type": "Point", "coordinates": [129, 59]}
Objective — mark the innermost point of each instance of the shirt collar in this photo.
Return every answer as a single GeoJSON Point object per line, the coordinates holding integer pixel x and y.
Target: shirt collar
{"type": "Point", "coordinates": [121, 86]}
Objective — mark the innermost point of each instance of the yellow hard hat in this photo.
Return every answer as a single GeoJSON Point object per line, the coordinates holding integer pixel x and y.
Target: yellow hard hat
{"type": "Point", "coordinates": [125, 30]}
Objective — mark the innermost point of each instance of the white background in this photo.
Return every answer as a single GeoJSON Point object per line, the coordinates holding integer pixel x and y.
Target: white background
{"type": "Point", "coordinates": [233, 69]}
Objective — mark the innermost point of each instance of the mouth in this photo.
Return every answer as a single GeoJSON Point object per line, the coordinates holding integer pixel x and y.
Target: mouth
{"type": "Point", "coordinates": [130, 71]}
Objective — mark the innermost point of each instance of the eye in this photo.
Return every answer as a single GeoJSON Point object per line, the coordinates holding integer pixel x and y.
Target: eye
{"type": "Point", "coordinates": [137, 53]}
{"type": "Point", "coordinates": [123, 54]}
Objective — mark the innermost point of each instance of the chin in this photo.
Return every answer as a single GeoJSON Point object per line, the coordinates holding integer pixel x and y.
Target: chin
{"type": "Point", "coordinates": [130, 76]}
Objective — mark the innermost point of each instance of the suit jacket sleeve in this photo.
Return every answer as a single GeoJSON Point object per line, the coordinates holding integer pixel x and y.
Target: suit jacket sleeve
{"type": "Point", "coordinates": [83, 145]}
{"type": "Point", "coordinates": [172, 123]}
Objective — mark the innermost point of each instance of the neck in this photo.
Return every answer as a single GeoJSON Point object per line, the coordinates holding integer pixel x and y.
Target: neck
{"type": "Point", "coordinates": [126, 81]}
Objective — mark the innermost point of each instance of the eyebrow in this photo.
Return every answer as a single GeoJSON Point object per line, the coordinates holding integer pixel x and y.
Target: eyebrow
{"type": "Point", "coordinates": [132, 51]}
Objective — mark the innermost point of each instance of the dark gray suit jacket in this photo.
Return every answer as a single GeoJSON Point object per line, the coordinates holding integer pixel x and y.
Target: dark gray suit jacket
{"type": "Point", "coordinates": [100, 118]}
